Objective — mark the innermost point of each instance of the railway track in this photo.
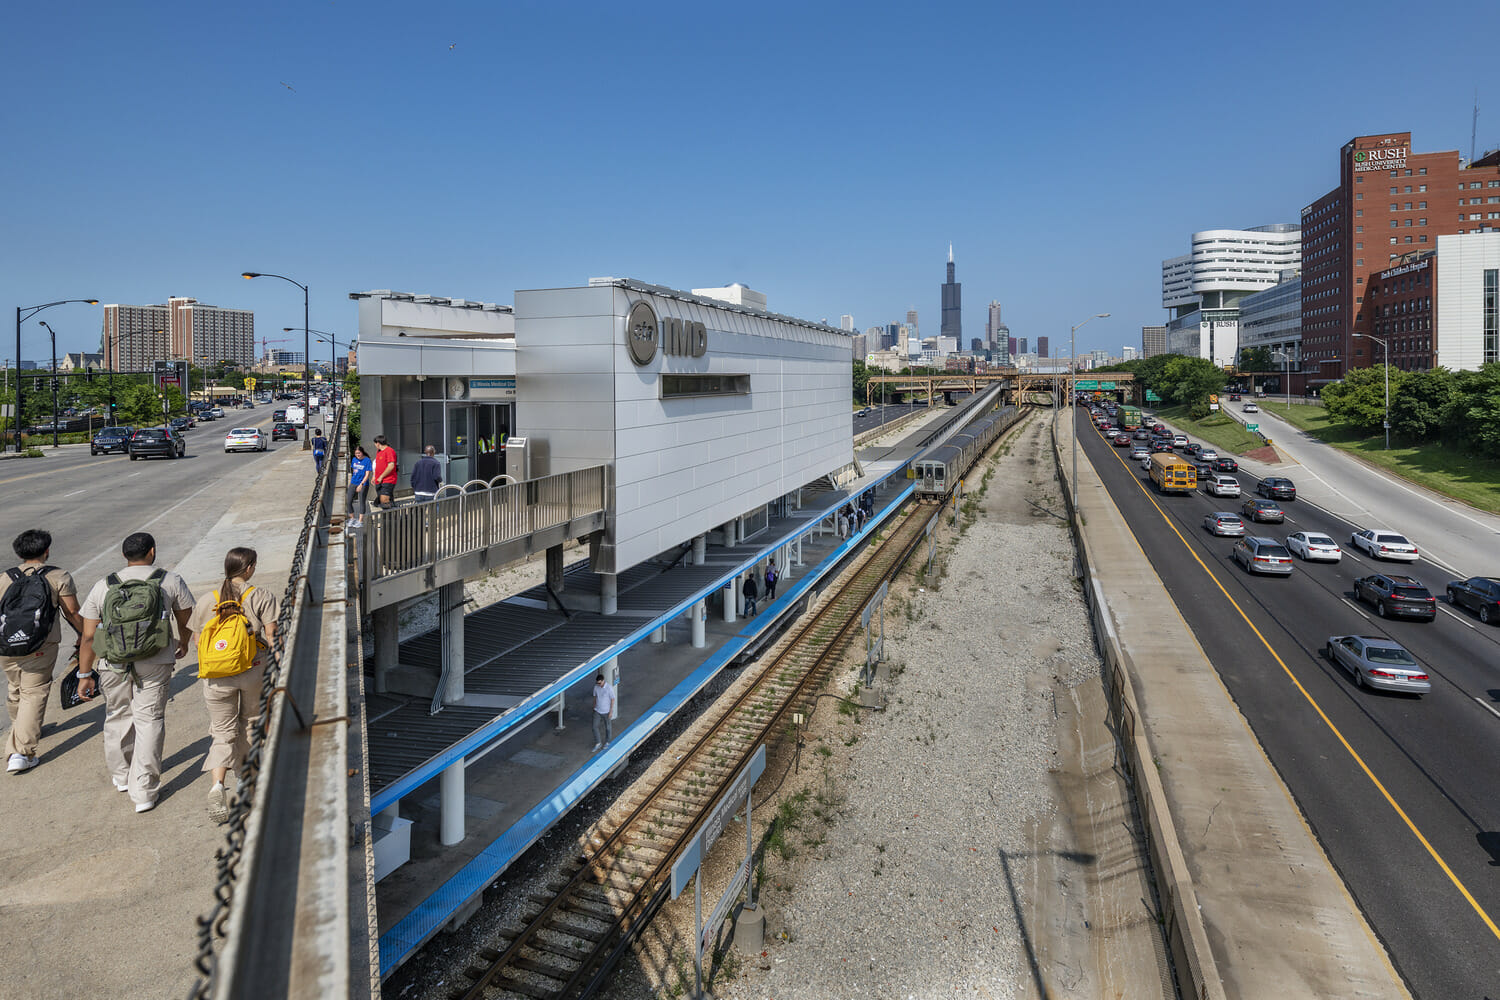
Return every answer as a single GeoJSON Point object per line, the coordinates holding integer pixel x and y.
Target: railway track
{"type": "Point", "coordinates": [577, 930]}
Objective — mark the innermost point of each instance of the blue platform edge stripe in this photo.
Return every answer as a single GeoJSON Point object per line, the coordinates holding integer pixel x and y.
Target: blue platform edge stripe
{"type": "Point", "coordinates": [536, 704]}
{"type": "Point", "coordinates": [429, 916]}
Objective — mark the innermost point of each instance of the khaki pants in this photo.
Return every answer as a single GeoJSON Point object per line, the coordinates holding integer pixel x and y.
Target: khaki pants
{"type": "Point", "coordinates": [135, 728]}
{"type": "Point", "coordinates": [28, 682]}
{"type": "Point", "coordinates": [233, 706]}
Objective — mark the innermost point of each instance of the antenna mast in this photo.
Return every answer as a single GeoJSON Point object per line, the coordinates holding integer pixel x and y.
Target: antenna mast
{"type": "Point", "coordinates": [1474, 131]}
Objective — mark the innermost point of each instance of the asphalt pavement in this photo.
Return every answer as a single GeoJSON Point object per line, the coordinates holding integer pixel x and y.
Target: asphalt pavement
{"type": "Point", "coordinates": [1398, 789]}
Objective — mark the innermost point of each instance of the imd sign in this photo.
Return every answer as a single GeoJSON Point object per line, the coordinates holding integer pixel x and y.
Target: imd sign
{"type": "Point", "coordinates": [643, 332]}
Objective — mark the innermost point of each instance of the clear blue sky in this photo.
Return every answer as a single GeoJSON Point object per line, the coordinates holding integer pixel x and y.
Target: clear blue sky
{"type": "Point", "coordinates": [825, 155]}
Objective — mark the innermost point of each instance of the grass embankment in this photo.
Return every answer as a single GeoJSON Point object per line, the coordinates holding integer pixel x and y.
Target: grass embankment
{"type": "Point", "coordinates": [1221, 430]}
{"type": "Point", "coordinates": [1438, 467]}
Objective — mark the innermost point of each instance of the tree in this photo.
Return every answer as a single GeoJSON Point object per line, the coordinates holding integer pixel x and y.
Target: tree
{"type": "Point", "coordinates": [1256, 359]}
{"type": "Point", "coordinates": [861, 381]}
{"type": "Point", "coordinates": [1419, 408]}
{"type": "Point", "coordinates": [141, 406]}
{"type": "Point", "coordinates": [1359, 400]}
{"type": "Point", "coordinates": [1186, 381]}
{"type": "Point", "coordinates": [1474, 412]}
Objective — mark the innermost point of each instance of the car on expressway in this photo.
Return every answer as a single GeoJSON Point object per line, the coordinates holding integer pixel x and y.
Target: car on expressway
{"type": "Point", "coordinates": [1225, 465]}
{"type": "Point", "coordinates": [161, 441]}
{"type": "Point", "coordinates": [1121, 440]}
{"type": "Point", "coordinates": [1139, 452]}
{"type": "Point", "coordinates": [1314, 546]}
{"type": "Point", "coordinates": [1205, 470]}
{"type": "Point", "coordinates": [1480, 594]}
{"type": "Point", "coordinates": [1224, 523]}
{"type": "Point", "coordinates": [245, 439]}
{"type": "Point", "coordinates": [283, 430]}
{"type": "Point", "coordinates": [1399, 596]}
{"type": "Point", "coordinates": [1382, 543]}
{"type": "Point", "coordinates": [1207, 454]}
{"type": "Point", "coordinates": [180, 424]}
{"type": "Point", "coordinates": [1250, 408]}
{"type": "Point", "coordinates": [1224, 486]}
{"type": "Point", "coordinates": [1160, 447]}
{"type": "Point", "coordinates": [1263, 510]}
{"type": "Point", "coordinates": [1179, 441]}
{"type": "Point", "coordinates": [1378, 662]}
{"type": "Point", "coordinates": [1262, 555]}
{"type": "Point", "coordinates": [1277, 488]}
{"type": "Point", "coordinates": [111, 439]}
{"type": "Point", "coordinates": [1191, 448]}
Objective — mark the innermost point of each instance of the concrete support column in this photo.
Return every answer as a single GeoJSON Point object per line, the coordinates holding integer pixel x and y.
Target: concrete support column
{"type": "Point", "coordinates": [554, 573]}
{"type": "Point", "coordinates": [612, 678]}
{"type": "Point", "coordinates": [391, 813]}
{"type": "Point", "coordinates": [700, 549]}
{"type": "Point", "coordinates": [660, 635]}
{"type": "Point", "coordinates": [451, 633]}
{"type": "Point", "coordinates": [559, 705]}
{"type": "Point", "coordinates": [731, 600]}
{"type": "Point", "coordinates": [799, 549]}
{"type": "Point", "coordinates": [387, 644]}
{"type": "Point", "coordinates": [699, 614]}
{"type": "Point", "coordinates": [452, 810]}
{"type": "Point", "coordinates": [609, 595]}
{"type": "Point", "coordinates": [730, 533]}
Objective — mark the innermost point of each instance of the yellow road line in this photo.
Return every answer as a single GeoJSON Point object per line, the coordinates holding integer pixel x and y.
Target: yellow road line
{"type": "Point", "coordinates": [1463, 890]}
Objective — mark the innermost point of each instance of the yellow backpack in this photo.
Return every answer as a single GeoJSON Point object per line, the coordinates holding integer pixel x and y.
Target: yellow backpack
{"type": "Point", "coordinates": [227, 644]}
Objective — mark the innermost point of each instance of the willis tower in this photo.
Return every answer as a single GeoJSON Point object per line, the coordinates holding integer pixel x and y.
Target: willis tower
{"type": "Point", "coordinates": [953, 321]}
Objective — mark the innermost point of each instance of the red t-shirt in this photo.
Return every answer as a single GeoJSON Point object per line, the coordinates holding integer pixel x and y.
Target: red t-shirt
{"type": "Point", "coordinates": [385, 464]}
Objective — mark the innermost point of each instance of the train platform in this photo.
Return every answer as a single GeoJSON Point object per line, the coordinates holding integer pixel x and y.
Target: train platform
{"type": "Point", "coordinates": [523, 772]}
{"type": "Point", "coordinates": [97, 898]}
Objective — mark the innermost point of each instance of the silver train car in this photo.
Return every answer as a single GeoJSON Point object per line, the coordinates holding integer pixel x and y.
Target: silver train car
{"type": "Point", "coordinates": [938, 470]}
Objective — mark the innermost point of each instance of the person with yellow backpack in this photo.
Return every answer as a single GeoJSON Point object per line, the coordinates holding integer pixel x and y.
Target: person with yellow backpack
{"type": "Point", "coordinates": [236, 626]}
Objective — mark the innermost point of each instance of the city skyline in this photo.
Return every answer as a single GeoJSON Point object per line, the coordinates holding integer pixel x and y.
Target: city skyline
{"type": "Point", "coordinates": [337, 182]}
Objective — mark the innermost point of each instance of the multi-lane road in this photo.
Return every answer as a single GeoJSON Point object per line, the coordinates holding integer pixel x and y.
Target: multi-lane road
{"type": "Point", "coordinates": [1402, 792]}
{"type": "Point", "coordinates": [89, 503]}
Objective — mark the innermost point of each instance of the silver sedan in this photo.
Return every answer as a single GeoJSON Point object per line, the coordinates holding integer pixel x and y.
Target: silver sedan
{"type": "Point", "coordinates": [1378, 662]}
{"type": "Point", "coordinates": [1225, 524]}
{"type": "Point", "coordinates": [1314, 546]}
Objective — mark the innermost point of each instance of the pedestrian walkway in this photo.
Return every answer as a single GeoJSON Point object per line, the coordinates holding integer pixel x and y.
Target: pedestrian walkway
{"type": "Point", "coordinates": [99, 900]}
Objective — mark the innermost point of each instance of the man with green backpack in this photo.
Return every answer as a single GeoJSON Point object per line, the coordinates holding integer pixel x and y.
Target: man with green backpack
{"type": "Point", "coordinates": [127, 630]}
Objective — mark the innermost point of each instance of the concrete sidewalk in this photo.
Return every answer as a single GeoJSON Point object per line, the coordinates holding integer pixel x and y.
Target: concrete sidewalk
{"type": "Point", "coordinates": [1276, 918]}
{"type": "Point", "coordinates": [95, 899]}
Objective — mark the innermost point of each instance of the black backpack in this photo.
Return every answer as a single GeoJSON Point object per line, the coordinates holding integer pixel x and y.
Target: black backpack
{"type": "Point", "coordinates": [27, 612]}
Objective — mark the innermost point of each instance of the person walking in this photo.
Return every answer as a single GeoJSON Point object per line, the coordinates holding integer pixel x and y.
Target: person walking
{"type": "Point", "coordinates": [604, 706]}
{"type": "Point", "coordinates": [771, 579]}
{"type": "Point", "coordinates": [34, 600]}
{"type": "Point", "coordinates": [748, 590]}
{"type": "Point", "coordinates": [319, 448]}
{"type": "Point", "coordinates": [361, 471]}
{"type": "Point", "coordinates": [127, 630]}
{"type": "Point", "coordinates": [237, 622]}
{"type": "Point", "coordinates": [426, 475]}
{"type": "Point", "coordinates": [385, 472]}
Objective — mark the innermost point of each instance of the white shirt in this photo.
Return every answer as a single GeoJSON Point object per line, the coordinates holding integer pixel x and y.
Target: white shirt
{"type": "Point", "coordinates": [604, 698]}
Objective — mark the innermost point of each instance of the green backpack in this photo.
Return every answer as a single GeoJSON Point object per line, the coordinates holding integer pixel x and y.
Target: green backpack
{"type": "Point", "coordinates": [136, 624]}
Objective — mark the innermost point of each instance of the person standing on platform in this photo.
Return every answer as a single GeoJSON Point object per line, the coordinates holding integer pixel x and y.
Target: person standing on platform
{"type": "Point", "coordinates": [31, 615]}
{"type": "Point", "coordinates": [127, 629]}
{"type": "Point", "coordinates": [748, 590]}
{"type": "Point", "coordinates": [385, 472]}
{"type": "Point", "coordinates": [319, 448]}
{"type": "Point", "coordinates": [426, 475]}
{"type": "Point", "coordinates": [604, 706]}
{"type": "Point", "coordinates": [361, 471]}
{"type": "Point", "coordinates": [771, 579]}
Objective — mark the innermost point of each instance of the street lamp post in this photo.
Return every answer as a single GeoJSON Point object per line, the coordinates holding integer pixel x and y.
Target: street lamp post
{"type": "Point", "coordinates": [30, 311]}
{"type": "Point", "coordinates": [333, 353]}
{"type": "Point", "coordinates": [1073, 358]}
{"type": "Point", "coordinates": [52, 335]}
{"type": "Point", "coordinates": [306, 351]}
{"type": "Point", "coordinates": [1385, 355]}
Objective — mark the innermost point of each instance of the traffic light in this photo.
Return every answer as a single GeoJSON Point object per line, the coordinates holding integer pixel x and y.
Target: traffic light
{"type": "Point", "coordinates": [36, 385]}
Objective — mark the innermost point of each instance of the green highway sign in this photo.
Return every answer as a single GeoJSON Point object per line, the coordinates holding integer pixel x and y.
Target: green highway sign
{"type": "Point", "coordinates": [1152, 397]}
{"type": "Point", "coordinates": [1252, 428]}
{"type": "Point", "coordinates": [1087, 383]}
{"type": "Point", "coordinates": [1107, 385]}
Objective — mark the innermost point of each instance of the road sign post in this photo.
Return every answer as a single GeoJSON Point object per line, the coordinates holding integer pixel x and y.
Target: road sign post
{"type": "Point", "coordinates": [1252, 428]}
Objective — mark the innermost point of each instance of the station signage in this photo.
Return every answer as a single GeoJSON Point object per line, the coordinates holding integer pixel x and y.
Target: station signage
{"type": "Point", "coordinates": [492, 388]}
{"type": "Point", "coordinates": [644, 334]}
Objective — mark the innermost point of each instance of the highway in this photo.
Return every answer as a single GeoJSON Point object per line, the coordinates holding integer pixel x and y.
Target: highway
{"type": "Point", "coordinates": [90, 503]}
{"type": "Point", "coordinates": [1400, 791]}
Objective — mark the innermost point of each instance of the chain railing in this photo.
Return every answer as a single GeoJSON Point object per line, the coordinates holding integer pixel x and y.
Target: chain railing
{"type": "Point", "coordinates": [419, 535]}
{"type": "Point", "coordinates": [227, 858]}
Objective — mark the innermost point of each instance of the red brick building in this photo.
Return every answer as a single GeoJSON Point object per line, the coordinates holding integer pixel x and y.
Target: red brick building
{"type": "Point", "coordinates": [1401, 302]}
{"type": "Point", "coordinates": [1390, 202]}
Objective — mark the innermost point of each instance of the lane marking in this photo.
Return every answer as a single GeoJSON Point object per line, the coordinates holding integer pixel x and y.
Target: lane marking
{"type": "Point", "coordinates": [74, 493]}
{"type": "Point", "coordinates": [1487, 706]}
{"type": "Point", "coordinates": [1354, 754]}
{"type": "Point", "coordinates": [1355, 608]}
{"type": "Point", "coordinates": [1457, 617]}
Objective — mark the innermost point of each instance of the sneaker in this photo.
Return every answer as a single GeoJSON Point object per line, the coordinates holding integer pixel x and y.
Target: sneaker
{"type": "Point", "coordinates": [606, 746]}
{"type": "Point", "coordinates": [121, 786]}
{"type": "Point", "coordinates": [218, 804]}
{"type": "Point", "coordinates": [145, 807]}
{"type": "Point", "coordinates": [20, 763]}
{"type": "Point", "coordinates": [594, 750]}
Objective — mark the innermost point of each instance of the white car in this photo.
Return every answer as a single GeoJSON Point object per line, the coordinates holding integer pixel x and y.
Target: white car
{"type": "Point", "coordinates": [1313, 546]}
{"type": "Point", "coordinates": [1207, 455]}
{"type": "Point", "coordinates": [1224, 486]}
{"type": "Point", "coordinates": [1382, 543]}
{"type": "Point", "coordinates": [245, 439]}
{"type": "Point", "coordinates": [1251, 408]}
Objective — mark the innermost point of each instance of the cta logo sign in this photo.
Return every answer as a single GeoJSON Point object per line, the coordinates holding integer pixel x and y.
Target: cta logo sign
{"type": "Point", "coordinates": [643, 332]}
{"type": "Point", "coordinates": [1390, 158]}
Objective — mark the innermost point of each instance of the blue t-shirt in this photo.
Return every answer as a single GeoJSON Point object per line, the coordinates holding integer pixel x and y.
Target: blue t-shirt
{"type": "Point", "coordinates": [320, 443]}
{"type": "Point", "coordinates": [360, 470]}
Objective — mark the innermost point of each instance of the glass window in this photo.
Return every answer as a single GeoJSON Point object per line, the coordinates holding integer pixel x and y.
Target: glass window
{"type": "Point", "coordinates": [1423, 172]}
{"type": "Point", "coordinates": [1359, 213]}
{"type": "Point", "coordinates": [1359, 196]}
{"type": "Point", "coordinates": [1360, 262]}
{"type": "Point", "coordinates": [1359, 246]}
{"type": "Point", "coordinates": [1393, 241]}
{"type": "Point", "coordinates": [1421, 204]}
{"type": "Point", "coordinates": [1422, 238]}
{"type": "Point", "coordinates": [1407, 206]}
{"type": "Point", "coordinates": [1359, 229]}
{"type": "Point", "coordinates": [1359, 180]}
{"type": "Point", "coordinates": [1393, 206]}
{"type": "Point", "coordinates": [1393, 223]}
{"type": "Point", "coordinates": [1408, 187]}
{"type": "Point", "coordinates": [1393, 190]}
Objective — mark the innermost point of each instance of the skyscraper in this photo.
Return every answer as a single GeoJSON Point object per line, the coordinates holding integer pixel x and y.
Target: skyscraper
{"type": "Point", "coordinates": [846, 322]}
{"type": "Point", "coordinates": [992, 327]}
{"type": "Point", "coordinates": [1023, 345]}
{"type": "Point", "coordinates": [953, 321]}
{"type": "Point", "coordinates": [911, 321]}
{"type": "Point", "coordinates": [1041, 347]}
{"type": "Point", "coordinates": [1153, 341]}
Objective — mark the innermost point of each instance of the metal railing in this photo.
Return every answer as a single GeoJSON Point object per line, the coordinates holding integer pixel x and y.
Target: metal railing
{"type": "Point", "coordinates": [418, 536]}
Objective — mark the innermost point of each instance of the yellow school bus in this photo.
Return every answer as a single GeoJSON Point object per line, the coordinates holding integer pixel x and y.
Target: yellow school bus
{"type": "Point", "coordinates": [1173, 473]}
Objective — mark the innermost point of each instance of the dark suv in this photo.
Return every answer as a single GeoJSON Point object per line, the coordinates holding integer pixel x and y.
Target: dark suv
{"type": "Point", "coordinates": [111, 439]}
{"type": "Point", "coordinates": [161, 441]}
{"type": "Point", "coordinates": [1396, 595]}
{"type": "Point", "coordinates": [1277, 488]}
